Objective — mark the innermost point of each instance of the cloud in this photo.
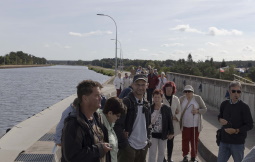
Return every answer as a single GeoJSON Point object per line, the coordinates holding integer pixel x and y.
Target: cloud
{"type": "Point", "coordinates": [212, 31]}
{"type": "Point", "coordinates": [248, 49]}
{"type": "Point", "coordinates": [143, 50]}
{"type": "Point", "coordinates": [224, 52]}
{"type": "Point", "coordinates": [211, 44]}
{"type": "Point", "coordinates": [67, 47]}
{"type": "Point", "coordinates": [223, 32]}
{"type": "Point", "coordinates": [178, 52]}
{"type": "Point", "coordinates": [172, 44]}
{"type": "Point", "coordinates": [98, 32]}
{"type": "Point", "coordinates": [201, 50]}
{"type": "Point", "coordinates": [56, 44]}
{"type": "Point", "coordinates": [154, 55]}
{"type": "Point", "coordinates": [186, 28]}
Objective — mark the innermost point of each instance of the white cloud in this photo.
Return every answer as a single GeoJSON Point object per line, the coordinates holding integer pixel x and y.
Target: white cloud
{"type": "Point", "coordinates": [56, 44]}
{"type": "Point", "coordinates": [179, 52]}
{"type": "Point", "coordinates": [186, 28]}
{"type": "Point", "coordinates": [222, 32]}
{"type": "Point", "coordinates": [201, 50]}
{"type": "Point", "coordinates": [248, 49]}
{"type": "Point", "coordinates": [67, 47]}
{"type": "Point", "coordinates": [172, 44]}
{"type": "Point", "coordinates": [224, 52]}
{"type": "Point", "coordinates": [211, 44]}
{"type": "Point", "coordinates": [98, 32]}
{"type": "Point", "coordinates": [143, 50]}
{"type": "Point", "coordinates": [154, 55]}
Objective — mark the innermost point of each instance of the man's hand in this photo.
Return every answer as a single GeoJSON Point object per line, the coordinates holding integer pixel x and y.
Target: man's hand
{"type": "Point", "coordinates": [106, 147]}
{"type": "Point", "coordinates": [230, 130]}
{"type": "Point", "coordinates": [170, 136]}
{"type": "Point", "coordinates": [223, 121]}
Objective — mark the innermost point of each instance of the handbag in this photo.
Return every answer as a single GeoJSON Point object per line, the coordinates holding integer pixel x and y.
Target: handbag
{"type": "Point", "coordinates": [218, 137]}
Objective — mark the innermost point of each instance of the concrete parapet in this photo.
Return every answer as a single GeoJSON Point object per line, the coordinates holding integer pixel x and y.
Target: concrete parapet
{"type": "Point", "coordinates": [213, 90]}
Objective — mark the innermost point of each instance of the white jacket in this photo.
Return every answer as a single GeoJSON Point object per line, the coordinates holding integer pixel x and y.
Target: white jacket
{"type": "Point", "coordinates": [162, 81]}
{"type": "Point", "coordinates": [126, 82]}
{"type": "Point", "coordinates": [118, 83]}
{"type": "Point", "coordinates": [175, 106]}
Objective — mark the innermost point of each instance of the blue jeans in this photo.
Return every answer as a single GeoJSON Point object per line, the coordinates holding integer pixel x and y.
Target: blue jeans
{"type": "Point", "coordinates": [226, 150]}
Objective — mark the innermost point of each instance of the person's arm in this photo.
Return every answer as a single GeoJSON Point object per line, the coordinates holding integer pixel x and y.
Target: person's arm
{"type": "Point", "coordinates": [178, 109]}
{"type": "Point", "coordinates": [58, 134]}
{"type": "Point", "coordinates": [247, 120]}
{"type": "Point", "coordinates": [170, 123]}
{"type": "Point", "coordinates": [157, 80]}
{"type": "Point", "coordinates": [202, 107]}
{"type": "Point", "coordinates": [119, 128]}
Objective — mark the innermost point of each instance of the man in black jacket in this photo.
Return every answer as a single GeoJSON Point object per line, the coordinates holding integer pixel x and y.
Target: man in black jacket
{"type": "Point", "coordinates": [83, 138]}
{"type": "Point", "coordinates": [235, 118]}
{"type": "Point", "coordinates": [132, 129]}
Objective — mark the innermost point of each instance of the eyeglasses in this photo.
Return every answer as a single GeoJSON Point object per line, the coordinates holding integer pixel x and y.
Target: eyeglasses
{"type": "Point", "coordinates": [140, 85]}
{"type": "Point", "coordinates": [187, 91]}
{"type": "Point", "coordinates": [234, 91]}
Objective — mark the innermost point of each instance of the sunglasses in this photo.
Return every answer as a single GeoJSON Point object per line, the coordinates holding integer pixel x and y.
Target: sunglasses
{"type": "Point", "coordinates": [187, 91]}
{"type": "Point", "coordinates": [234, 91]}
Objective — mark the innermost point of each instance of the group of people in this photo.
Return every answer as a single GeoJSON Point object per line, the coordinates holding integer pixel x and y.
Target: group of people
{"type": "Point", "coordinates": [154, 81]}
{"type": "Point", "coordinates": [125, 129]}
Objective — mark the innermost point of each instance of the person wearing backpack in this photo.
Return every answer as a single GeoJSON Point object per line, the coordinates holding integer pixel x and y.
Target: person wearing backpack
{"type": "Point", "coordinates": [132, 129]}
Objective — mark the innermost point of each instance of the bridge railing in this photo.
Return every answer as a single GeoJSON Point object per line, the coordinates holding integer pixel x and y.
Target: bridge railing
{"type": "Point", "coordinates": [213, 90]}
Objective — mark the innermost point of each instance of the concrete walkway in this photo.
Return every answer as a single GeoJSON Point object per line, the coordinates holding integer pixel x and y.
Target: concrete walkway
{"type": "Point", "coordinates": [35, 135]}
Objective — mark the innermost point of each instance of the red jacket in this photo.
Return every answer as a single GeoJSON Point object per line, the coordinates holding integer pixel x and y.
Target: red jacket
{"type": "Point", "coordinates": [153, 81]}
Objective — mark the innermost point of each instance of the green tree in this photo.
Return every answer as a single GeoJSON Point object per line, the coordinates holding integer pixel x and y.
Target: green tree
{"type": "Point", "coordinates": [251, 74]}
{"type": "Point", "coordinates": [223, 63]}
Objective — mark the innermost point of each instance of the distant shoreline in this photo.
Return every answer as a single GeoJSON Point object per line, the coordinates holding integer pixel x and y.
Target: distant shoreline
{"type": "Point", "coordinates": [21, 66]}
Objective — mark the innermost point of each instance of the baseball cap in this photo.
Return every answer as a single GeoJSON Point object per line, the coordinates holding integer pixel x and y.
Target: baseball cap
{"type": "Point", "coordinates": [139, 77]}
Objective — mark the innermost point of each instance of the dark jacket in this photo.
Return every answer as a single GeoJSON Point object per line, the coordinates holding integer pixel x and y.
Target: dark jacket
{"type": "Point", "coordinates": [125, 92]}
{"type": "Point", "coordinates": [153, 81]}
{"type": "Point", "coordinates": [239, 117]}
{"type": "Point", "coordinates": [78, 140]}
{"type": "Point", "coordinates": [126, 121]}
{"type": "Point", "coordinates": [167, 124]}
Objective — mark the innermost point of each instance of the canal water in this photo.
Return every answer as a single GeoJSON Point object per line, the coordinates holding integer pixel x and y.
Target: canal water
{"type": "Point", "coordinates": [27, 91]}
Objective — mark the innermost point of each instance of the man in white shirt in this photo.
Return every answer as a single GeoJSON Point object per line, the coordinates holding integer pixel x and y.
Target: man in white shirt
{"type": "Point", "coordinates": [132, 129]}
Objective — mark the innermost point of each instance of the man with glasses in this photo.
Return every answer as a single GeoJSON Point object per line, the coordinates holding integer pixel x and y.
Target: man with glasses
{"type": "Point", "coordinates": [132, 129]}
{"type": "Point", "coordinates": [235, 118]}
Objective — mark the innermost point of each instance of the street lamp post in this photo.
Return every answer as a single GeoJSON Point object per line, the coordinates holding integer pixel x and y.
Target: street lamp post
{"type": "Point", "coordinates": [115, 42]}
{"type": "Point", "coordinates": [121, 57]}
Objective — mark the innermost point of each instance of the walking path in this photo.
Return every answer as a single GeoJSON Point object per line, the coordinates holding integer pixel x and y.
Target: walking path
{"type": "Point", "coordinates": [32, 139]}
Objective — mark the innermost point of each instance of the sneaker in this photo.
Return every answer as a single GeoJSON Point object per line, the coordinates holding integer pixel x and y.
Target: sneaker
{"type": "Point", "coordinates": [193, 159]}
{"type": "Point", "coordinates": [185, 159]}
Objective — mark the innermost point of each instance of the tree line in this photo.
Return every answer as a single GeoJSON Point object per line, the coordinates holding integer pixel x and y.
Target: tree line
{"type": "Point", "coordinates": [21, 58]}
{"type": "Point", "coordinates": [208, 68]}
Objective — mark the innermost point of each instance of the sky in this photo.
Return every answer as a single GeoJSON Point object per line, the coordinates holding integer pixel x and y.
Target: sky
{"type": "Point", "coordinates": [146, 29]}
